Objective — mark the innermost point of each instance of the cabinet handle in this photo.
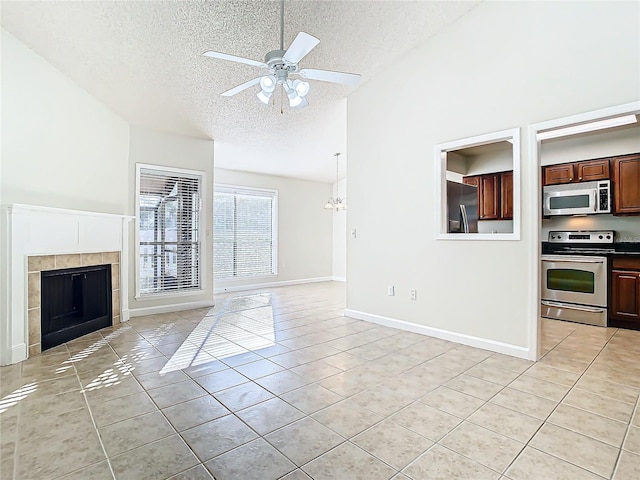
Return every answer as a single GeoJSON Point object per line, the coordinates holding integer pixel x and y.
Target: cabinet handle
{"type": "Point", "coordinates": [580, 178]}
{"type": "Point", "coordinates": [571, 178]}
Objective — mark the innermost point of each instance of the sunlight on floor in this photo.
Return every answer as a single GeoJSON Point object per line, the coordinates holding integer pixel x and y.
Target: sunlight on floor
{"type": "Point", "coordinates": [235, 326]}
{"type": "Point", "coordinates": [14, 397]}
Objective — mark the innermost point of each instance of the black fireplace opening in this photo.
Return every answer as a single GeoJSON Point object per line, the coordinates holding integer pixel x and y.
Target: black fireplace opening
{"type": "Point", "coordinates": [74, 302]}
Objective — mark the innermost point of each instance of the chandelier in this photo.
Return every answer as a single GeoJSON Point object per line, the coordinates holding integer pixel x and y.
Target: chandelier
{"type": "Point", "coordinates": [337, 203]}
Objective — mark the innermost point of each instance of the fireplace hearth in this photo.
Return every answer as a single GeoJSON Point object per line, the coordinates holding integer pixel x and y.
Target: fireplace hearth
{"type": "Point", "coordinates": [74, 302]}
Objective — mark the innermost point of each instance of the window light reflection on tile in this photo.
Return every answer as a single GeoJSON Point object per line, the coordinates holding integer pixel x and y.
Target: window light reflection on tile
{"type": "Point", "coordinates": [221, 334]}
{"type": "Point", "coordinates": [16, 396]}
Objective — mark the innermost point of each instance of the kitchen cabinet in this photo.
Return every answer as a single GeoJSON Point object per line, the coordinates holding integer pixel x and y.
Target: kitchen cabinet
{"type": "Point", "coordinates": [490, 197]}
{"type": "Point", "coordinates": [557, 174]}
{"type": "Point", "coordinates": [626, 184]}
{"type": "Point", "coordinates": [495, 195]}
{"type": "Point", "coordinates": [506, 195]}
{"type": "Point", "coordinates": [593, 170]}
{"type": "Point", "coordinates": [586, 171]}
{"type": "Point", "coordinates": [624, 307]}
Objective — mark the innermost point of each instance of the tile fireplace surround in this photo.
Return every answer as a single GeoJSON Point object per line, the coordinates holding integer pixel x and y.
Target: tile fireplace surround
{"type": "Point", "coordinates": [39, 263]}
{"type": "Point", "coordinates": [36, 239]}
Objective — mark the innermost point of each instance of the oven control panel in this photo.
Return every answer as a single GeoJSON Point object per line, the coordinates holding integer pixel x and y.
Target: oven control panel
{"type": "Point", "coordinates": [592, 236]}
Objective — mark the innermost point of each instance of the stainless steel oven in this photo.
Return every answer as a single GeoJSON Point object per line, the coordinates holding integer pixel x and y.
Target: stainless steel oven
{"type": "Point", "coordinates": [574, 287]}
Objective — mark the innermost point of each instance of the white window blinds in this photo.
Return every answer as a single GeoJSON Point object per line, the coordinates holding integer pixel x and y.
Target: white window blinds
{"type": "Point", "coordinates": [244, 232]}
{"type": "Point", "coordinates": [168, 230]}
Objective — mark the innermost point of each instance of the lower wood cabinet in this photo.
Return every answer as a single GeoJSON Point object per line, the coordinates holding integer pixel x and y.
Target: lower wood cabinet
{"type": "Point", "coordinates": [625, 291]}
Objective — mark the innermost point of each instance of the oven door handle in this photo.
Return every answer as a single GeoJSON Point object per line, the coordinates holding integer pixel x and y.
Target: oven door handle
{"type": "Point", "coordinates": [568, 260]}
{"type": "Point", "coordinates": [595, 201]}
{"type": "Point", "coordinates": [582, 308]}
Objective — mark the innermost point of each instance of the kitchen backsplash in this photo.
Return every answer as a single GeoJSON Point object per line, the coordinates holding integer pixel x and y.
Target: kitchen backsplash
{"type": "Point", "coordinates": [627, 229]}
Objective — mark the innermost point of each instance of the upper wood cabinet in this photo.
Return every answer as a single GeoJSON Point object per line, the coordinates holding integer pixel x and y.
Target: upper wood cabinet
{"type": "Point", "coordinates": [506, 195]}
{"type": "Point", "coordinates": [495, 195]}
{"type": "Point", "coordinates": [626, 184]}
{"type": "Point", "coordinates": [576, 172]}
{"type": "Point", "coordinates": [593, 170]}
{"type": "Point", "coordinates": [490, 197]}
{"type": "Point", "coordinates": [475, 181]}
{"type": "Point", "coordinates": [557, 174]}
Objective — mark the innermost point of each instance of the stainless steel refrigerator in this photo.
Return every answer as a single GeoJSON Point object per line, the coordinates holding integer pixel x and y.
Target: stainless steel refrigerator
{"type": "Point", "coordinates": [462, 208]}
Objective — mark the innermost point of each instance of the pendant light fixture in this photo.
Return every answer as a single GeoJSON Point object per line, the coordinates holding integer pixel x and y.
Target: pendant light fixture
{"type": "Point", "coordinates": [337, 203]}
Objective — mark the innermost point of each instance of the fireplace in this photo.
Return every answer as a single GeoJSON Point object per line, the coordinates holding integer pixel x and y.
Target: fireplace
{"type": "Point", "coordinates": [43, 266]}
{"type": "Point", "coordinates": [38, 239]}
{"type": "Point", "coordinates": [74, 302]}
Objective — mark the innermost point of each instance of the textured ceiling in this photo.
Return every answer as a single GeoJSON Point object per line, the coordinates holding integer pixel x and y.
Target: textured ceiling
{"type": "Point", "coordinates": [143, 59]}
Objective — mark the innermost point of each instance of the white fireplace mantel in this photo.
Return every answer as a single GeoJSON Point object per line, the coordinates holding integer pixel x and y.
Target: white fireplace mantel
{"type": "Point", "coordinates": [29, 230]}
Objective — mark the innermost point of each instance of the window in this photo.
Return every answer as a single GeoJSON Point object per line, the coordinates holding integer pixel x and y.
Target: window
{"type": "Point", "coordinates": [168, 229]}
{"type": "Point", "coordinates": [244, 232]}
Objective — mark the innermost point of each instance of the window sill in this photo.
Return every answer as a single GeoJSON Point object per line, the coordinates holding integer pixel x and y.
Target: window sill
{"type": "Point", "coordinates": [233, 280]}
{"type": "Point", "coordinates": [160, 295]}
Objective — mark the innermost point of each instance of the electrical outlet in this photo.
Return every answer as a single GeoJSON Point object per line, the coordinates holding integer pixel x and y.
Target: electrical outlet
{"type": "Point", "coordinates": [391, 291]}
{"type": "Point", "coordinates": [413, 294]}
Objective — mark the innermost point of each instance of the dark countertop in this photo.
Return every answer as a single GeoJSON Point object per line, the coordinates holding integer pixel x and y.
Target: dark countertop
{"type": "Point", "coordinates": [627, 248]}
{"type": "Point", "coordinates": [621, 248]}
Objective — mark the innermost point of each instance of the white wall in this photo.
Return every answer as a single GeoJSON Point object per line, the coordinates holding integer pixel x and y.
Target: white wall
{"type": "Point", "coordinates": [163, 149]}
{"type": "Point", "coordinates": [339, 253]}
{"type": "Point", "coordinates": [304, 227]}
{"type": "Point", "coordinates": [490, 163]}
{"type": "Point", "coordinates": [60, 146]}
{"type": "Point", "coordinates": [503, 65]}
{"type": "Point", "coordinates": [587, 146]}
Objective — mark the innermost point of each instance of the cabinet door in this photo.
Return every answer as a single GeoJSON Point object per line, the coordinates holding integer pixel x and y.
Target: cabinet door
{"type": "Point", "coordinates": [489, 197]}
{"type": "Point", "coordinates": [506, 195]}
{"type": "Point", "coordinates": [593, 170]}
{"type": "Point", "coordinates": [626, 185]}
{"type": "Point", "coordinates": [557, 174]}
{"type": "Point", "coordinates": [475, 181]}
{"type": "Point", "coordinates": [625, 295]}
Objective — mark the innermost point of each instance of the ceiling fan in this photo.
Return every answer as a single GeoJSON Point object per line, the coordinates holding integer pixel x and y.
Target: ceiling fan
{"type": "Point", "coordinates": [280, 64]}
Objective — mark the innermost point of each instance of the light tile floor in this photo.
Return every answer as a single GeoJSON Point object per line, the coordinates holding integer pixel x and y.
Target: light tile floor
{"type": "Point", "coordinates": [278, 384]}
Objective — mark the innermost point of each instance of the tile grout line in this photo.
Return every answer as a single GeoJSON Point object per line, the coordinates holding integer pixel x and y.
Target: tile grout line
{"type": "Point", "coordinates": [624, 438]}
{"type": "Point", "coordinates": [18, 424]}
{"type": "Point", "coordinates": [93, 421]}
{"type": "Point", "coordinates": [544, 422]}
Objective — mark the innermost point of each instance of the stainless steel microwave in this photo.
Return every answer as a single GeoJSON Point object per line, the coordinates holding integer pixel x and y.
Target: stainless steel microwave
{"type": "Point", "coordinates": [585, 198]}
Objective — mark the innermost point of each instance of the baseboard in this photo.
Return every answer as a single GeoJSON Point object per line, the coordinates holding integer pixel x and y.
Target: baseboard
{"type": "Point", "coordinates": [478, 342]}
{"type": "Point", "coordinates": [339, 279]}
{"type": "Point", "coordinates": [176, 307]}
{"type": "Point", "coordinates": [16, 354]}
{"type": "Point", "coordinates": [241, 288]}
{"type": "Point", "coordinates": [126, 315]}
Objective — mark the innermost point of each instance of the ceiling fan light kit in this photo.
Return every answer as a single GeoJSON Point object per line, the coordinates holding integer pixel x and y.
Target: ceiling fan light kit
{"type": "Point", "coordinates": [282, 63]}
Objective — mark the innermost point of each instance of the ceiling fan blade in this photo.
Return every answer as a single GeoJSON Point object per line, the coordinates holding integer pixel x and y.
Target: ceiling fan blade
{"type": "Point", "coordinates": [302, 45]}
{"type": "Point", "coordinates": [351, 79]}
{"type": "Point", "coordinates": [241, 87]}
{"type": "Point", "coordinates": [233, 58]}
